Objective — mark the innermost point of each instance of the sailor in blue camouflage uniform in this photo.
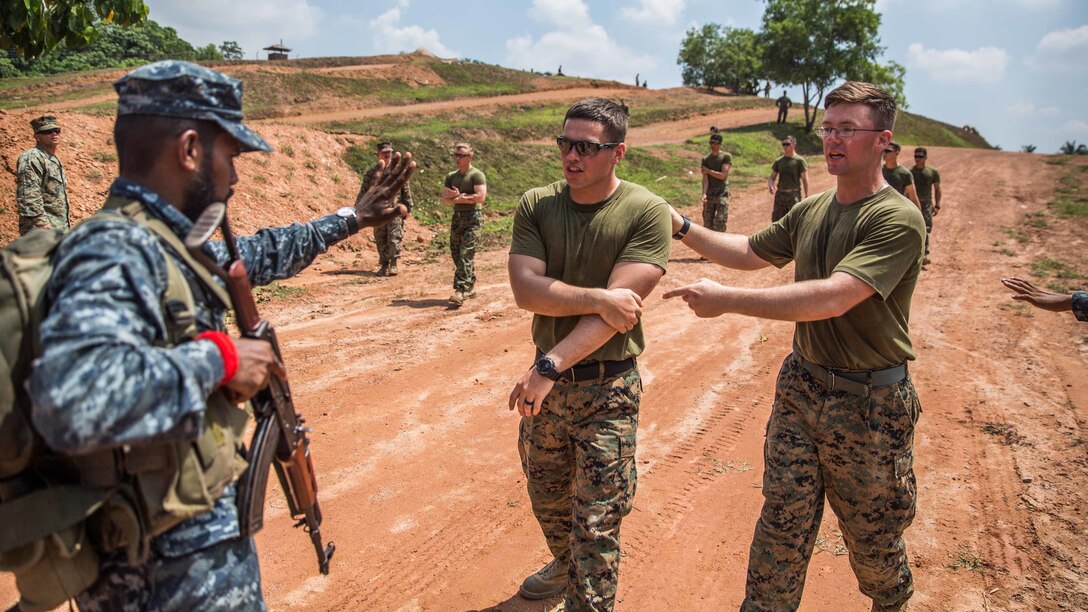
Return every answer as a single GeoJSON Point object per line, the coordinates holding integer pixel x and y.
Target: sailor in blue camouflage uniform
{"type": "Point", "coordinates": [107, 379]}
{"type": "Point", "coordinates": [1053, 301]}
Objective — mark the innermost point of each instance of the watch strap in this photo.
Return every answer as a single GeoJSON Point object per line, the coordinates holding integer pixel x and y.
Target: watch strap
{"type": "Point", "coordinates": [683, 231]}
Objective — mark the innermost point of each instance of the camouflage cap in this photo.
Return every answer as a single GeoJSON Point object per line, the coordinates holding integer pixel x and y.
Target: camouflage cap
{"type": "Point", "coordinates": [174, 88]}
{"type": "Point", "coordinates": [715, 137]}
{"type": "Point", "coordinates": [45, 122]}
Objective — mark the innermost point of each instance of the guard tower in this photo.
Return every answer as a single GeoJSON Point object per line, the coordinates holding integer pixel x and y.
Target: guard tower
{"type": "Point", "coordinates": [277, 52]}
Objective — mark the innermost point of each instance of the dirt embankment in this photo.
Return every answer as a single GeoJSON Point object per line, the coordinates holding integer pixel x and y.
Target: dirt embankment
{"type": "Point", "coordinates": [416, 453]}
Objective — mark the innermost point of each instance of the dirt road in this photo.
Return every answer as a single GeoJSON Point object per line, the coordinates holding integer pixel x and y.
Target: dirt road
{"type": "Point", "coordinates": [417, 459]}
{"type": "Point", "coordinates": [419, 468]}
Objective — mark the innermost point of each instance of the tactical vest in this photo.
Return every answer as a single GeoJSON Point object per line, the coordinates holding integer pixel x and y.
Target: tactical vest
{"type": "Point", "coordinates": [58, 512]}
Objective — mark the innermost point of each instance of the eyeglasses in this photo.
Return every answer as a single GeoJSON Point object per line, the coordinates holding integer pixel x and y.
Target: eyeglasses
{"type": "Point", "coordinates": [843, 132]}
{"type": "Point", "coordinates": [919, 157]}
{"type": "Point", "coordinates": [50, 131]}
{"type": "Point", "coordinates": [461, 155]}
{"type": "Point", "coordinates": [585, 148]}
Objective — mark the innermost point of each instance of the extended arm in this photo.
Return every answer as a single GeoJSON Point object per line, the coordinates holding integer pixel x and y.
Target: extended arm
{"type": "Point", "coordinates": [729, 250]}
{"type": "Point", "coordinates": [618, 305]}
{"type": "Point", "coordinates": [813, 300]}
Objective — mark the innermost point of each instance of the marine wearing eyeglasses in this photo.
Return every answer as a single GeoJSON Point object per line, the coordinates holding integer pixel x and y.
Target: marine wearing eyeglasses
{"type": "Point", "coordinates": [841, 429]}
{"type": "Point", "coordinates": [41, 193]}
{"type": "Point", "coordinates": [927, 183]}
{"type": "Point", "coordinates": [465, 189]}
{"type": "Point", "coordinates": [585, 252]}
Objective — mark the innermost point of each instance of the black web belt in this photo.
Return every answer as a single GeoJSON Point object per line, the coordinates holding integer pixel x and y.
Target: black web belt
{"type": "Point", "coordinates": [855, 382]}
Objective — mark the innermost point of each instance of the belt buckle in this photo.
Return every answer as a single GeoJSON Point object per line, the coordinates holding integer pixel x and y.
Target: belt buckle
{"type": "Point", "coordinates": [831, 380]}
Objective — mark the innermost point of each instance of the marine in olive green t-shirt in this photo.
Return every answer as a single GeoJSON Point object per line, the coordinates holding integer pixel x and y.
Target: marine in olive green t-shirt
{"type": "Point", "coordinates": [716, 163]}
{"type": "Point", "coordinates": [924, 180]}
{"type": "Point", "coordinates": [789, 171]}
{"type": "Point", "coordinates": [581, 244]}
{"type": "Point", "coordinates": [898, 178]}
{"type": "Point", "coordinates": [465, 183]}
{"type": "Point", "coordinates": [878, 240]}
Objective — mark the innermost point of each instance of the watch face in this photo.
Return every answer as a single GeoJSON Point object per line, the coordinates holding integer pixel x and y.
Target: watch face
{"type": "Point", "coordinates": [346, 211]}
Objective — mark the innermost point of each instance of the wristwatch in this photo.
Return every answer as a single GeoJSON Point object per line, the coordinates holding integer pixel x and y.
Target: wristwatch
{"type": "Point", "coordinates": [683, 231]}
{"type": "Point", "coordinates": [546, 368]}
{"type": "Point", "coordinates": [348, 214]}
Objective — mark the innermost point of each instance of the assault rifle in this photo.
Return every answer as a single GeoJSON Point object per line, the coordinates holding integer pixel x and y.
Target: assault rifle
{"type": "Point", "coordinates": [280, 440]}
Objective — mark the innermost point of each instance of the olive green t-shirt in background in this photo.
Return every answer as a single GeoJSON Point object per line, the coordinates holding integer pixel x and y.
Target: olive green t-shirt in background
{"type": "Point", "coordinates": [716, 163]}
{"type": "Point", "coordinates": [789, 171]}
{"type": "Point", "coordinates": [898, 178]}
{"type": "Point", "coordinates": [924, 180]}
{"type": "Point", "coordinates": [878, 240]}
{"type": "Point", "coordinates": [465, 183]}
{"type": "Point", "coordinates": [580, 244]}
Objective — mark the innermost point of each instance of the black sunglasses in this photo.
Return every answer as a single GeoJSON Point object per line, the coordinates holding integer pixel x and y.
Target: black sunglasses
{"type": "Point", "coordinates": [585, 148]}
{"type": "Point", "coordinates": [919, 157]}
{"type": "Point", "coordinates": [460, 155]}
{"type": "Point", "coordinates": [50, 131]}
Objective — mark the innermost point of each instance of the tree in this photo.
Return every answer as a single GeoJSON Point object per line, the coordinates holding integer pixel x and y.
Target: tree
{"type": "Point", "coordinates": [738, 59]}
{"type": "Point", "coordinates": [1072, 148]}
{"type": "Point", "coordinates": [814, 43]}
{"type": "Point", "coordinates": [233, 51]}
{"type": "Point", "coordinates": [33, 27]}
{"type": "Point", "coordinates": [1028, 148]}
{"type": "Point", "coordinates": [697, 56]}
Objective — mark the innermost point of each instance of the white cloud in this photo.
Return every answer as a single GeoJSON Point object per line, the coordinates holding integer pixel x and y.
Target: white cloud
{"type": "Point", "coordinates": [983, 65]}
{"type": "Point", "coordinates": [654, 12]}
{"type": "Point", "coordinates": [581, 47]}
{"type": "Point", "coordinates": [253, 24]}
{"type": "Point", "coordinates": [1028, 109]}
{"type": "Point", "coordinates": [1061, 50]}
{"type": "Point", "coordinates": [560, 13]}
{"type": "Point", "coordinates": [391, 37]}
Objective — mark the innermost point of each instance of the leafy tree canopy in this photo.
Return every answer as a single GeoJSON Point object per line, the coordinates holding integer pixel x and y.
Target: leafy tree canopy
{"type": "Point", "coordinates": [713, 56]}
{"type": "Point", "coordinates": [33, 27]}
{"type": "Point", "coordinates": [114, 46]}
{"type": "Point", "coordinates": [814, 43]}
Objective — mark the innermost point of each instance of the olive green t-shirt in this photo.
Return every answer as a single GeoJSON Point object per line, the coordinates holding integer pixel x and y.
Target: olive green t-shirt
{"type": "Point", "coordinates": [924, 180]}
{"type": "Point", "coordinates": [789, 171]}
{"type": "Point", "coordinates": [877, 240]}
{"type": "Point", "coordinates": [716, 163]}
{"type": "Point", "coordinates": [898, 178]}
{"type": "Point", "coordinates": [465, 183]}
{"type": "Point", "coordinates": [582, 243]}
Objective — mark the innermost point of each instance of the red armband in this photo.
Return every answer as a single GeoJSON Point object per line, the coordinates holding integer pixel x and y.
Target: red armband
{"type": "Point", "coordinates": [227, 351]}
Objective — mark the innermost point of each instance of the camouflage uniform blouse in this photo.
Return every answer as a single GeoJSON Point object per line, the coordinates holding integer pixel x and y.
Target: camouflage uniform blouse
{"type": "Point", "coordinates": [101, 380]}
{"type": "Point", "coordinates": [41, 194]}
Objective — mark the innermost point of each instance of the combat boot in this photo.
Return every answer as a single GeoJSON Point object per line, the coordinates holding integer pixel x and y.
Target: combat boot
{"type": "Point", "coordinates": [457, 298]}
{"type": "Point", "coordinates": [392, 269]}
{"type": "Point", "coordinates": [382, 271]}
{"type": "Point", "coordinates": [548, 581]}
{"type": "Point", "coordinates": [899, 607]}
{"type": "Point", "coordinates": [471, 293]}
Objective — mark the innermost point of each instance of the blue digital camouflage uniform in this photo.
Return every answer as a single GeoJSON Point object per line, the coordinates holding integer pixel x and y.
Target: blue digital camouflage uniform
{"type": "Point", "coordinates": [41, 192]}
{"type": "Point", "coordinates": [1080, 305]}
{"type": "Point", "coordinates": [105, 378]}
{"type": "Point", "coordinates": [387, 238]}
{"type": "Point", "coordinates": [101, 382]}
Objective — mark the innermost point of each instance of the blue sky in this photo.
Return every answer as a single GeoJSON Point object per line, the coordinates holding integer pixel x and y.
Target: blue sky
{"type": "Point", "coordinates": [1015, 69]}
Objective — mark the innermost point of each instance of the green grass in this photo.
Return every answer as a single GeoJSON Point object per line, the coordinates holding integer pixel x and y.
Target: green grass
{"type": "Point", "coordinates": [276, 291]}
{"type": "Point", "coordinates": [1071, 199]}
{"type": "Point", "coordinates": [1048, 266]}
{"type": "Point", "coordinates": [11, 98]}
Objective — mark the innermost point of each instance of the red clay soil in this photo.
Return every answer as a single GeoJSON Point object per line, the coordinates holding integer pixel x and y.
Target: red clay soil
{"type": "Point", "coordinates": [416, 452]}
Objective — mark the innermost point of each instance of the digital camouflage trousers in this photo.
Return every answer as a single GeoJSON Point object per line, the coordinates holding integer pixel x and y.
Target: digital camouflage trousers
{"type": "Point", "coordinates": [224, 576]}
{"type": "Point", "coordinates": [859, 453]}
{"type": "Point", "coordinates": [388, 238]}
{"type": "Point", "coordinates": [464, 237]}
{"type": "Point", "coordinates": [927, 214]}
{"type": "Point", "coordinates": [578, 455]}
{"type": "Point", "coordinates": [783, 202]}
{"type": "Point", "coordinates": [716, 211]}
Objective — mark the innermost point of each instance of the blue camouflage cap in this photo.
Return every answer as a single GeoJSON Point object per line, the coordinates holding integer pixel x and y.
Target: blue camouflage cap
{"type": "Point", "coordinates": [173, 88]}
